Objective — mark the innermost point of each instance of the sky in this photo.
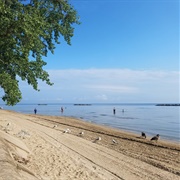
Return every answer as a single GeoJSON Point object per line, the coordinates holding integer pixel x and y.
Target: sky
{"type": "Point", "coordinates": [124, 51]}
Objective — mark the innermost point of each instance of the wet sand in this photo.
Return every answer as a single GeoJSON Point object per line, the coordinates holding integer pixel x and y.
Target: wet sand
{"type": "Point", "coordinates": [52, 148]}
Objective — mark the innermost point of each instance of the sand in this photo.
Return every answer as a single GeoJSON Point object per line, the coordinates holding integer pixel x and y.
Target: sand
{"type": "Point", "coordinates": [41, 147]}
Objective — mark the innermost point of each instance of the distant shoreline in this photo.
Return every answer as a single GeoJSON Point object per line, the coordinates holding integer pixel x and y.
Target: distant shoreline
{"type": "Point", "coordinates": [168, 104]}
{"type": "Point", "coordinates": [111, 104]}
{"type": "Point", "coordinates": [82, 104]}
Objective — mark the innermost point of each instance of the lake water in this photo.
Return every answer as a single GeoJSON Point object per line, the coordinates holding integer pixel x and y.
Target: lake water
{"type": "Point", "coordinates": [151, 119]}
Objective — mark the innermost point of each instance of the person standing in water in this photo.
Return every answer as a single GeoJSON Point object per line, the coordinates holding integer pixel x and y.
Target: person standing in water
{"type": "Point", "coordinates": [35, 111]}
{"type": "Point", "coordinates": [114, 111]}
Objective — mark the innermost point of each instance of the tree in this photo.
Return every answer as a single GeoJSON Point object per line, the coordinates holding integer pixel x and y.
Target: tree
{"type": "Point", "coordinates": [29, 29]}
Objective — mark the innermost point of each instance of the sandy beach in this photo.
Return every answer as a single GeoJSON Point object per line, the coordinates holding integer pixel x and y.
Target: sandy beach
{"type": "Point", "coordinates": [54, 148]}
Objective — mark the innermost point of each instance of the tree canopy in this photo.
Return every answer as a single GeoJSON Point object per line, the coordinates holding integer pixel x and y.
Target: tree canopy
{"type": "Point", "coordinates": [29, 29]}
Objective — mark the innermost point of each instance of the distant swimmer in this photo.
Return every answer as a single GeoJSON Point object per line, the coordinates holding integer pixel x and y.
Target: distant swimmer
{"type": "Point", "coordinates": [62, 110]}
{"type": "Point", "coordinates": [143, 135]}
{"type": "Point", "coordinates": [35, 111]}
{"type": "Point", "coordinates": [114, 111]}
{"type": "Point", "coordinates": [122, 110]}
{"type": "Point", "coordinates": [155, 138]}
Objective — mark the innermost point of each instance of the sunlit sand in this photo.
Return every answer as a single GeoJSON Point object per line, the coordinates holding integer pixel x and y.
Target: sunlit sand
{"type": "Point", "coordinates": [62, 148]}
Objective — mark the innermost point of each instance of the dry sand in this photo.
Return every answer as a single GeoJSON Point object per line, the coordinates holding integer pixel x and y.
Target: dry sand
{"type": "Point", "coordinates": [36, 147]}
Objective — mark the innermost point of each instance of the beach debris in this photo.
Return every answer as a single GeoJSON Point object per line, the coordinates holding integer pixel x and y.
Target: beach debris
{"type": "Point", "coordinates": [81, 133]}
{"type": "Point", "coordinates": [55, 126]}
{"type": "Point", "coordinates": [67, 131]}
{"type": "Point", "coordinates": [143, 135]}
{"type": "Point", "coordinates": [155, 138]}
{"type": "Point", "coordinates": [8, 124]}
{"type": "Point", "coordinates": [114, 141]}
{"type": "Point", "coordinates": [23, 134]}
{"type": "Point", "coordinates": [20, 159]}
{"type": "Point", "coordinates": [8, 127]}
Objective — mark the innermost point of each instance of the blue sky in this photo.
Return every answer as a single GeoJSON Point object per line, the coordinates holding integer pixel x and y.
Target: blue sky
{"type": "Point", "coordinates": [124, 51]}
{"type": "Point", "coordinates": [122, 34]}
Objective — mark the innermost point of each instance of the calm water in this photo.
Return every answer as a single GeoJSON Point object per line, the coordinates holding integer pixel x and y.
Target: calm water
{"type": "Point", "coordinates": [163, 120]}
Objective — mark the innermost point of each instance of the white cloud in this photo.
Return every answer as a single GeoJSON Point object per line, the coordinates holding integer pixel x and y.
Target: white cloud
{"type": "Point", "coordinates": [107, 85]}
{"type": "Point", "coordinates": [116, 84]}
{"type": "Point", "coordinates": [112, 88]}
{"type": "Point", "coordinates": [102, 97]}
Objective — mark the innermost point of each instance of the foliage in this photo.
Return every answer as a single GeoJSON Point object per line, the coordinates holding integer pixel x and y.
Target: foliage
{"type": "Point", "coordinates": [29, 29]}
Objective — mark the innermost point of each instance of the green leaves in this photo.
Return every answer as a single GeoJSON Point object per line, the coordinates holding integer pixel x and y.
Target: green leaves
{"type": "Point", "coordinates": [10, 86]}
{"type": "Point", "coordinates": [27, 32]}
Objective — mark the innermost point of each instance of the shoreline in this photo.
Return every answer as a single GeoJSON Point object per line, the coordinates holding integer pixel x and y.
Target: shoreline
{"type": "Point", "coordinates": [125, 131]}
{"type": "Point", "coordinates": [133, 135]}
{"type": "Point", "coordinates": [73, 155]}
{"type": "Point", "coordinates": [150, 119]}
